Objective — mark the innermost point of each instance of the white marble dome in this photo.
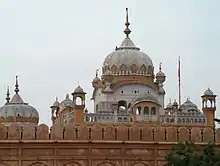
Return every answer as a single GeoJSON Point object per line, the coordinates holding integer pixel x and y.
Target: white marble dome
{"type": "Point", "coordinates": [67, 102]}
{"type": "Point", "coordinates": [79, 89]}
{"type": "Point", "coordinates": [18, 111]}
{"type": "Point", "coordinates": [208, 92]}
{"type": "Point", "coordinates": [188, 105]}
{"type": "Point", "coordinates": [126, 57]}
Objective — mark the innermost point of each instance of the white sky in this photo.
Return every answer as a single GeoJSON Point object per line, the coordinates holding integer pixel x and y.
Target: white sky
{"type": "Point", "coordinates": [54, 44]}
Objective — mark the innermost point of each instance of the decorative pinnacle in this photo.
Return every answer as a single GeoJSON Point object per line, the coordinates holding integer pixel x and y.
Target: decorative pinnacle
{"type": "Point", "coordinates": [160, 66]}
{"type": "Point", "coordinates": [7, 95]}
{"type": "Point", "coordinates": [127, 31]}
{"type": "Point", "coordinates": [96, 73]}
{"type": "Point", "coordinates": [16, 85]}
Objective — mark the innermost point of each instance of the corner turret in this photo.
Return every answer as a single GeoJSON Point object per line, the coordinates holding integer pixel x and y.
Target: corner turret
{"type": "Point", "coordinates": [209, 106]}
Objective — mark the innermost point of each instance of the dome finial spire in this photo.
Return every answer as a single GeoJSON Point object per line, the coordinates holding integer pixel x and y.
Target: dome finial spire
{"type": "Point", "coordinates": [7, 95]}
{"type": "Point", "coordinates": [16, 85]}
{"type": "Point", "coordinates": [160, 66]}
{"type": "Point", "coordinates": [127, 31]}
{"type": "Point", "coordinates": [96, 73]}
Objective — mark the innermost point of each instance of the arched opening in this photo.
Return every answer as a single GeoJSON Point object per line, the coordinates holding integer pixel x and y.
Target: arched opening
{"type": "Point", "coordinates": [183, 120]}
{"type": "Point", "coordinates": [79, 101]}
{"type": "Point", "coordinates": [122, 105]}
{"type": "Point", "coordinates": [187, 120]}
{"type": "Point", "coordinates": [138, 111]}
{"type": "Point", "coordinates": [153, 111]}
{"type": "Point", "coordinates": [125, 119]}
{"type": "Point", "coordinates": [172, 120]}
{"type": "Point", "coordinates": [196, 121]}
{"type": "Point", "coordinates": [146, 110]}
{"type": "Point", "coordinates": [209, 103]}
{"type": "Point", "coordinates": [119, 119]}
{"type": "Point", "coordinates": [96, 107]}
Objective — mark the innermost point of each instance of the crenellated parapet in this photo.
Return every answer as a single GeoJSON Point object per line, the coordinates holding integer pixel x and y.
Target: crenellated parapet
{"type": "Point", "coordinates": [109, 133]}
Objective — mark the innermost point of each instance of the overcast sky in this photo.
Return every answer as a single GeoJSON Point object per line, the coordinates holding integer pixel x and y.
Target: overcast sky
{"type": "Point", "coordinates": [52, 45]}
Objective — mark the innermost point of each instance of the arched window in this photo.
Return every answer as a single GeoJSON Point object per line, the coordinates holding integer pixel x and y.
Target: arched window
{"type": "Point", "coordinates": [96, 107]}
{"type": "Point", "coordinates": [138, 111]}
{"type": "Point", "coordinates": [183, 120]}
{"type": "Point", "coordinates": [172, 120]}
{"type": "Point", "coordinates": [122, 105]}
{"type": "Point", "coordinates": [153, 111]}
{"type": "Point", "coordinates": [146, 111]}
{"type": "Point", "coordinates": [179, 120]}
{"type": "Point", "coordinates": [78, 101]}
{"type": "Point", "coordinates": [209, 103]}
{"type": "Point", "coordinates": [196, 121]}
{"type": "Point", "coordinates": [119, 119]}
{"type": "Point", "coordinates": [187, 120]}
{"type": "Point", "coordinates": [200, 120]}
{"type": "Point", "coordinates": [125, 119]}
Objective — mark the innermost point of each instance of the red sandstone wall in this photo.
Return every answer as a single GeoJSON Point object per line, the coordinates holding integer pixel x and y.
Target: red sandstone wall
{"type": "Point", "coordinates": [113, 133]}
{"type": "Point", "coordinates": [93, 145]}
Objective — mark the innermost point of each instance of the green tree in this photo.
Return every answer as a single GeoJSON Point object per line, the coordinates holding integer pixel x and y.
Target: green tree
{"type": "Point", "coordinates": [183, 154]}
{"type": "Point", "coordinates": [188, 154]}
{"type": "Point", "coordinates": [210, 156]}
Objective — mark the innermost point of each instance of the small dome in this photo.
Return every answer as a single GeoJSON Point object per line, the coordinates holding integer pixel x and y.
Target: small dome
{"type": "Point", "coordinates": [18, 108]}
{"type": "Point", "coordinates": [56, 103]}
{"type": "Point", "coordinates": [169, 105]}
{"type": "Point", "coordinates": [188, 105]}
{"type": "Point", "coordinates": [66, 102]}
{"type": "Point", "coordinates": [78, 90]}
{"type": "Point", "coordinates": [17, 111]}
{"type": "Point", "coordinates": [160, 74]}
{"type": "Point", "coordinates": [175, 103]}
{"type": "Point", "coordinates": [208, 92]}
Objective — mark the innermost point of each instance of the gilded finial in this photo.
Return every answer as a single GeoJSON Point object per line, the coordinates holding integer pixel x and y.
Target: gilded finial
{"type": "Point", "coordinates": [16, 85]}
{"type": "Point", "coordinates": [160, 66]}
{"type": "Point", "coordinates": [7, 95]}
{"type": "Point", "coordinates": [127, 31]}
{"type": "Point", "coordinates": [96, 73]}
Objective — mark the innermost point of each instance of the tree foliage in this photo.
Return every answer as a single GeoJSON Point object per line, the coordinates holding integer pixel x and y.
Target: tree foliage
{"type": "Point", "coordinates": [188, 154]}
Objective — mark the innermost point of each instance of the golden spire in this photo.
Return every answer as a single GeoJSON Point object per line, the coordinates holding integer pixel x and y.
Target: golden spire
{"type": "Point", "coordinates": [127, 31]}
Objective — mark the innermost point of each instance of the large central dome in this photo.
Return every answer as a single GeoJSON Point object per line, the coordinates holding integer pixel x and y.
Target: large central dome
{"type": "Point", "coordinates": [128, 59]}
